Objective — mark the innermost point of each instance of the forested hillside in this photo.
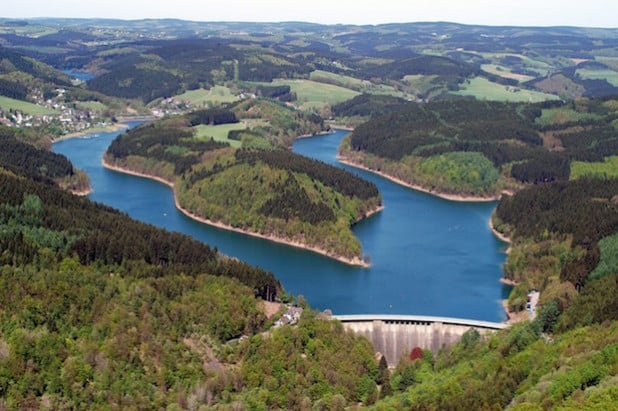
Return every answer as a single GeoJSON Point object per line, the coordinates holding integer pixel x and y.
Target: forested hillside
{"type": "Point", "coordinates": [480, 148]}
{"type": "Point", "coordinates": [519, 369]}
{"type": "Point", "coordinates": [26, 160]}
{"type": "Point", "coordinates": [39, 218]}
{"type": "Point", "coordinates": [36, 71]}
{"type": "Point", "coordinates": [563, 237]}
{"type": "Point", "coordinates": [172, 66]}
{"type": "Point", "coordinates": [98, 310]}
{"type": "Point", "coordinates": [271, 192]}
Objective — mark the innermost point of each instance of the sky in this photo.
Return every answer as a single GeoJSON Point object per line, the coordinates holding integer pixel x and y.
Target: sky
{"type": "Point", "coordinates": [586, 13]}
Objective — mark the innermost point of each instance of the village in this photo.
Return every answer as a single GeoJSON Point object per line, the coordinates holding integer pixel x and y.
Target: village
{"type": "Point", "coordinates": [60, 117]}
{"type": "Point", "coordinates": [53, 114]}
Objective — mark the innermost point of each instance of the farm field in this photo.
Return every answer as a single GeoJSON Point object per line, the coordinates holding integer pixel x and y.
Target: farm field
{"type": "Point", "coordinates": [338, 79]}
{"type": "Point", "coordinates": [603, 169]}
{"type": "Point", "coordinates": [421, 84]}
{"type": "Point", "coordinates": [355, 84]}
{"type": "Point", "coordinates": [505, 72]}
{"type": "Point", "coordinates": [611, 62]}
{"type": "Point", "coordinates": [484, 89]}
{"type": "Point", "coordinates": [92, 105]}
{"type": "Point", "coordinates": [562, 115]}
{"type": "Point", "coordinates": [24, 107]}
{"type": "Point", "coordinates": [589, 74]}
{"type": "Point", "coordinates": [311, 94]}
{"type": "Point", "coordinates": [219, 132]}
{"type": "Point", "coordinates": [202, 97]}
{"type": "Point", "coordinates": [32, 30]}
{"type": "Point", "coordinates": [527, 62]}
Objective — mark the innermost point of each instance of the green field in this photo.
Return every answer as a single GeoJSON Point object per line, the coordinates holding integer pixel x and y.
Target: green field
{"type": "Point", "coordinates": [338, 79]}
{"type": "Point", "coordinates": [484, 89]}
{"type": "Point", "coordinates": [422, 84]}
{"type": "Point", "coordinates": [562, 115]}
{"type": "Point", "coordinates": [24, 107]}
{"type": "Point", "coordinates": [604, 169]}
{"type": "Point", "coordinates": [202, 97]}
{"type": "Point", "coordinates": [91, 105]}
{"type": "Point", "coordinates": [611, 62]}
{"type": "Point", "coordinates": [505, 72]}
{"type": "Point", "coordinates": [388, 91]}
{"type": "Point", "coordinates": [355, 84]}
{"type": "Point", "coordinates": [30, 30]}
{"type": "Point", "coordinates": [527, 62]}
{"type": "Point", "coordinates": [311, 94]}
{"type": "Point", "coordinates": [220, 132]}
{"type": "Point", "coordinates": [589, 74]}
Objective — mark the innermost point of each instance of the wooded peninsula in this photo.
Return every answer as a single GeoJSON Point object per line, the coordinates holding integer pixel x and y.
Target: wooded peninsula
{"type": "Point", "coordinates": [266, 191]}
{"type": "Point", "coordinates": [480, 149]}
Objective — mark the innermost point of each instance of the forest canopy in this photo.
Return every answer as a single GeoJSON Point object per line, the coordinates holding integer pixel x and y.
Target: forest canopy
{"type": "Point", "coordinates": [265, 190]}
{"type": "Point", "coordinates": [526, 143]}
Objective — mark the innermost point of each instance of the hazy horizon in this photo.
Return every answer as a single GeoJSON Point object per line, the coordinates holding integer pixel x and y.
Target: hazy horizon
{"type": "Point", "coordinates": [526, 13]}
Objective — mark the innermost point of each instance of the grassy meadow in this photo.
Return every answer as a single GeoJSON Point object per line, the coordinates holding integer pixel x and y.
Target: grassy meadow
{"type": "Point", "coordinates": [611, 62]}
{"type": "Point", "coordinates": [355, 84]}
{"type": "Point", "coordinates": [527, 62]}
{"type": "Point", "coordinates": [219, 132]}
{"type": "Point", "coordinates": [484, 89]}
{"type": "Point", "coordinates": [92, 105]}
{"type": "Point", "coordinates": [202, 97]}
{"type": "Point", "coordinates": [423, 85]}
{"type": "Point", "coordinates": [311, 94]}
{"type": "Point", "coordinates": [604, 169]}
{"type": "Point", "coordinates": [505, 72]}
{"type": "Point", "coordinates": [589, 74]}
{"type": "Point", "coordinates": [7, 104]}
{"type": "Point", "coordinates": [321, 76]}
{"type": "Point", "coordinates": [562, 115]}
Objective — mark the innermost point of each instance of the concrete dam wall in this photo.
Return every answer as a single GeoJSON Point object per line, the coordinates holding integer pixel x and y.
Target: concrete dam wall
{"type": "Point", "coordinates": [396, 335]}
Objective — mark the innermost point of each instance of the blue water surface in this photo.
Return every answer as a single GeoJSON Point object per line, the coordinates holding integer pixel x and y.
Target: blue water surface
{"type": "Point", "coordinates": [429, 256]}
{"type": "Point", "coordinates": [80, 75]}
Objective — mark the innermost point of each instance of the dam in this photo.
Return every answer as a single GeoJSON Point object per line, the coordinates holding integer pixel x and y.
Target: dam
{"type": "Point", "coordinates": [396, 335]}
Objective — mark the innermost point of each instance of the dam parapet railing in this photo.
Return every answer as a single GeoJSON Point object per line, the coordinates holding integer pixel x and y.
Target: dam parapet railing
{"type": "Point", "coordinates": [419, 319]}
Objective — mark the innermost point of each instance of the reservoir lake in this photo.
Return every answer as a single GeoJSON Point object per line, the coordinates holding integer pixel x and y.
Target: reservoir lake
{"type": "Point", "coordinates": [429, 256]}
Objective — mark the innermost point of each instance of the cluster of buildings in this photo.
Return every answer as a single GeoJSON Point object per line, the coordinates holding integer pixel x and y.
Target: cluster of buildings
{"type": "Point", "coordinates": [55, 114]}
{"type": "Point", "coordinates": [291, 316]}
{"type": "Point", "coordinates": [171, 106]}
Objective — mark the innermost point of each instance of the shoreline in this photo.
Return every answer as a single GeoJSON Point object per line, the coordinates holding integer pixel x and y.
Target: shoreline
{"type": "Point", "coordinates": [445, 196]}
{"type": "Point", "coordinates": [89, 131]}
{"type": "Point", "coordinates": [502, 237]}
{"type": "Point", "coordinates": [356, 261]}
{"type": "Point", "coordinates": [341, 127]}
{"type": "Point", "coordinates": [81, 193]}
{"type": "Point", "coordinates": [321, 133]}
{"type": "Point", "coordinates": [505, 239]}
{"type": "Point", "coordinates": [450, 197]}
{"type": "Point", "coordinates": [513, 317]}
